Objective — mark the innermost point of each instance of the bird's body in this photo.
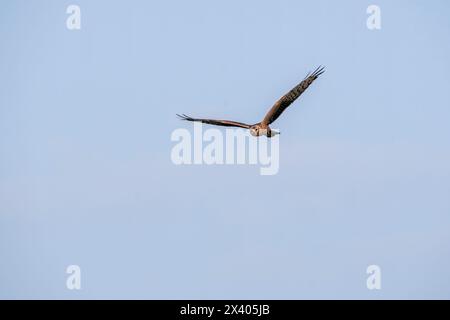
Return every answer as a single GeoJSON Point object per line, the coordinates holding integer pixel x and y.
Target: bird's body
{"type": "Point", "coordinates": [262, 128]}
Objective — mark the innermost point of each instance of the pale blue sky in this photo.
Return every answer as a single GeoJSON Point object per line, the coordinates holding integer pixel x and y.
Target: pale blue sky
{"type": "Point", "coordinates": [85, 170]}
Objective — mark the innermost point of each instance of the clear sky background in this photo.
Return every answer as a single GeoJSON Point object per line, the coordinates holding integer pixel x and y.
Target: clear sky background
{"type": "Point", "coordinates": [86, 176]}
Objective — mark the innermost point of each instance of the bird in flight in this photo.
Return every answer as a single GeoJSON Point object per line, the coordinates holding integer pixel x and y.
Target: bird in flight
{"type": "Point", "coordinates": [262, 128]}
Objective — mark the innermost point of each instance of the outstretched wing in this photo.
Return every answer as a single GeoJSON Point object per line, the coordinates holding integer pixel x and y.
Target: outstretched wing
{"type": "Point", "coordinates": [286, 100]}
{"type": "Point", "coordinates": [224, 123]}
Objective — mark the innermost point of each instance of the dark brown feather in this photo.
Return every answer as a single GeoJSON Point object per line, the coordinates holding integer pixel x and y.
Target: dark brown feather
{"type": "Point", "coordinates": [285, 101]}
{"type": "Point", "coordinates": [224, 123]}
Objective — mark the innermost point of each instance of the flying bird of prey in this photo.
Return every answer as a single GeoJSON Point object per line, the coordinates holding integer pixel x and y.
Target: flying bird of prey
{"type": "Point", "coordinates": [262, 128]}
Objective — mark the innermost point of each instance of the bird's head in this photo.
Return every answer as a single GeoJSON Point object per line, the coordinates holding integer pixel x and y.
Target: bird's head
{"type": "Point", "coordinates": [254, 131]}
